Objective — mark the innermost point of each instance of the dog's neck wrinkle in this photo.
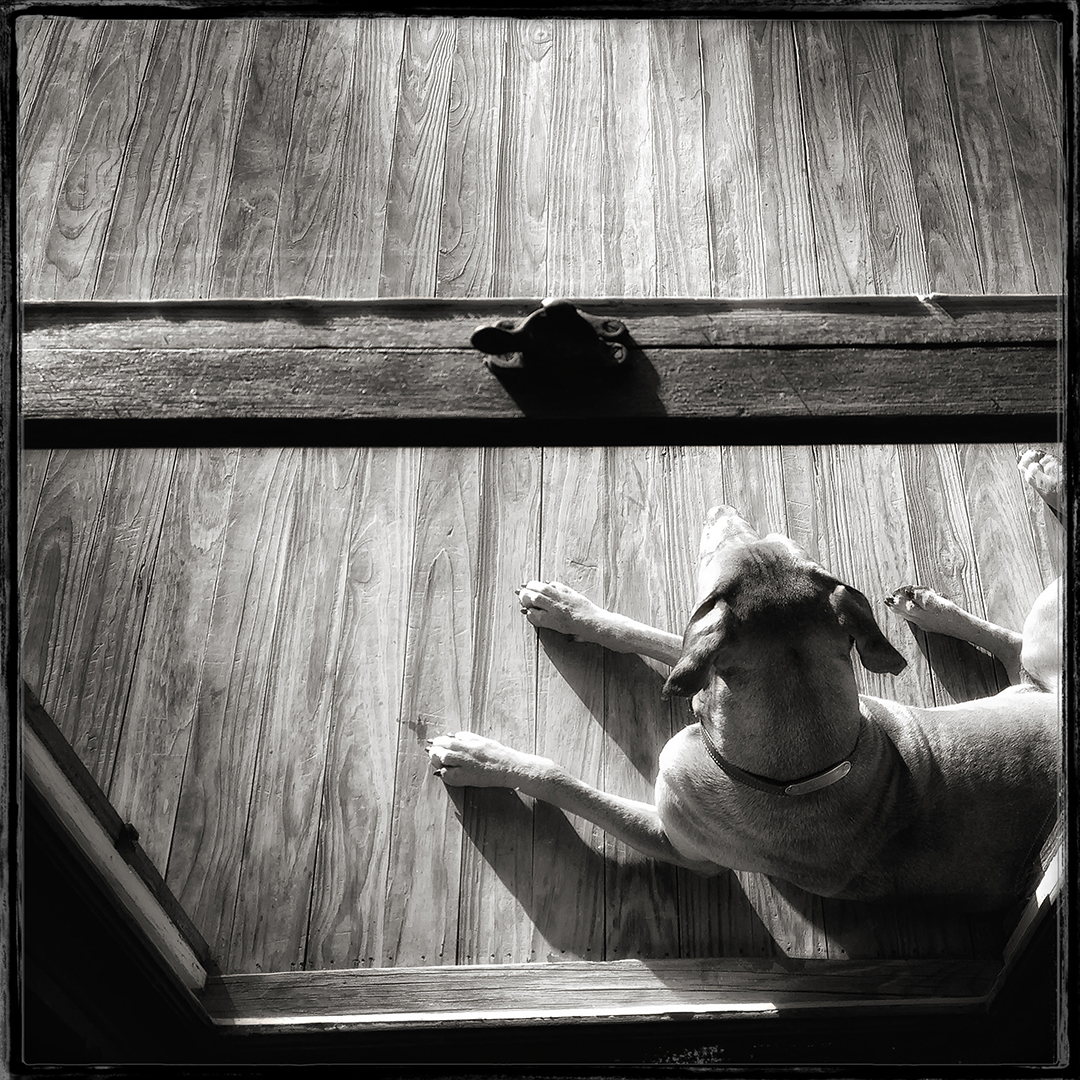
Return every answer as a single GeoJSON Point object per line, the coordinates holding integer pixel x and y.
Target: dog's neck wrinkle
{"type": "Point", "coordinates": [777, 734]}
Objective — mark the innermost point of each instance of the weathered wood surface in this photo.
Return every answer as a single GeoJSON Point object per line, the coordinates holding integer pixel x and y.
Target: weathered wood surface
{"type": "Point", "coordinates": [74, 384]}
{"type": "Point", "coordinates": [249, 647]}
{"type": "Point", "coordinates": [499, 156]}
{"type": "Point", "coordinates": [594, 992]}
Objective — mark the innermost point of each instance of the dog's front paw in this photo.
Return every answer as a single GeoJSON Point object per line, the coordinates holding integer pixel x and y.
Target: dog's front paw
{"type": "Point", "coordinates": [1042, 471]}
{"type": "Point", "coordinates": [927, 609]}
{"type": "Point", "coordinates": [555, 606]}
{"type": "Point", "coordinates": [468, 760]}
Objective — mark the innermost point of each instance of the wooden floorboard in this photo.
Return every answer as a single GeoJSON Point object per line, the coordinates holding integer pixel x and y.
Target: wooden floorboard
{"type": "Point", "coordinates": [498, 156]}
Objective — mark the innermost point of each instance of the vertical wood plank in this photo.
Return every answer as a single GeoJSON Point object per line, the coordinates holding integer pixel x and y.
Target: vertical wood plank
{"type": "Point", "coordinates": [1034, 145]}
{"type": "Point", "coordinates": [495, 924]}
{"type": "Point", "coordinates": [270, 925]}
{"type": "Point", "coordinates": [84, 199]}
{"type": "Point", "coordinates": [1005, 553]}
{"type": "Point", "coordinates": [682, 236]}
{"type": "Point", "coordinates": [736, 242]}
{"type": "Point", "coordinates": [423, 879]}
{"type": "Point", "coordinates": [568, 869]}
{"type": "Point", "coordinates": [575, 185]}
{"type": "Point", "coordinates": [834, 169]}
{"type": "Point", "coordinates": [789, 259]}
{"type": "Point", "coordinates": [1000, 234]}
{"type": "Point", "coordinates": [312, 226]}
{"type": "Point", "coordinates": [413, 202]}
{"type": "Point", "coordinates": [59, 551]}
{"type": "Point", "coordinates": [897, 254]}
{"type": "Point", "coordinates": [202, 169]}
{"type": "Point", "coordinates": [627, 166]}
{"type": "Point", "coordinates": [212, 813]}
{"type": "Point", "coordinates": [47, 124]}
{"type": "Point", "coordinates": [348, 895]}
{"type": "Point", "coordinates": [35, 37]}
{"type": "Point", "coordinates": [471, 178]}
{"type": "Point", "coordinates": [33, 468]}
{"type": "Point", "coordinates": [133, 235]}
{"type": "Point", "coordinates": [365, 162]}
{"type": "Point", "coordinates": [161, 708]}
{"type": "Point", "coordinates": [944, 559]}
{"type": "Point", "coordinates": [944, 208]}
{"type": "Point", "coordinates": [521, 253]}
{"type": "Point", "coordinates": [641, 895]}
{"type": "Point", "coordinates": [88, 692]}
{"type": "Point", "coordinates": [252, 204]}
{"type": "Point", "coordinates": [873, 502]}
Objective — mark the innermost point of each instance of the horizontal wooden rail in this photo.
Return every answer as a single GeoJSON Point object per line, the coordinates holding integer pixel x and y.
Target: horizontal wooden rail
{"type": "Point", "coordinates": [790, 360]}
{"type": "Point", "coordinates": [587, 992]}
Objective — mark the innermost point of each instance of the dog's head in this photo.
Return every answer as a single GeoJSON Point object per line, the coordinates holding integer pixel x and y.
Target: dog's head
{"type": "Point", "coordinates": [761, 597]}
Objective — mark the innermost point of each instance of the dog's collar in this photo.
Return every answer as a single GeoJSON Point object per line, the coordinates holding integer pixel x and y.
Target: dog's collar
{"type": "Point", "coordinates": [802, 786]}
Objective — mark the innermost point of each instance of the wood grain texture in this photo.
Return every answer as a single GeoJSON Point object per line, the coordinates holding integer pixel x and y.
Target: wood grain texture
{"type": "Point", "coordinates": [1000, 233]}
{"type": "Point", "coordinates": [1034, 147]}
{"type": "Point", "coordinates": [205, 861]}
{"type": "Point", "coordinates": [46, 128]}
{"type": "Point", "coordinates": [348, 893]}
{"type": "Point", "coordinates": [426, 324]}
{"type": "Point", "coordinates": [312, 224]}
{"type": "Point", "coordinates": [468, 237]}
{"type": "Point", "coordinates": [109, 608]}
{"type": "Point", "coordinates": [832, 160]}
{"type": "Point", "coordinates": [575, 244]}
{"type": "Point", "coordinates": [521, 992]}
{"type": "Point", "coordinates": [34, 39]}
{"type": "Point", "coordinates": [897, 254]}
{"type": "Point", "coordinates": [1009, 577]}
{"type": "Point", "coordinates": [133, 236]}
{"type": "Point", "coordinates": [274, 892]}
{"type": "Point", "coordinates": [349, 383]}
{"type": "Point", "coordinates": [942, 195]}
{"type": "Point", "coordinates": [790, 263]}
{"type": "Point", "coordinates": [731, 165]}
{"type": "Point", "coordinates": [944, 560]}
{"type": "Point", "coordinates": [417, 166]}
{"type": "Point", "coordinates": [33, 466]}
{"type": "Point", "coordinates": [521, 254]}
{"type": "Point", "coordinates": [161, 708]}
{"type": "Point", "coordinates": [202, 169]}
{"type": "Point", "coordinates": [568, 871]}
{"type": "Point", "coordinates": [423, 877]}
{"type": "Point", "coordinates": [66, 526]}
{"type": "Point", "coordinates": [627, 168]}
{"type": "Point", "coordinates": [682, 239]}
{"type": "Point", "coordinates": [365, 162]}
{"type": "Point", "coordinates": [495, 924]}
{"type": "Point", "coordinates": [253, 200]}
{"type": "Point", "coordinates": [85, 196]}
{"type": "Point", "coordinates": [642, 895]}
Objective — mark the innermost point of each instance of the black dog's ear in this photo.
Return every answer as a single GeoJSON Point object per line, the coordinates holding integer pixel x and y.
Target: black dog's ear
{"type": "Point", "coordinates": [856, 617]}
{"type": "Point", "coordinates": [704, 638]}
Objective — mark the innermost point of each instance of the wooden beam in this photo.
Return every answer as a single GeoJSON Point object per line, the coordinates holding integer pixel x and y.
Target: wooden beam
{"type": "Point", "coordinates": [589, 992]}
{"type": "Point", "coordinates": [868, 357]}
{"type": "Point", "coordinates": [81, 808]}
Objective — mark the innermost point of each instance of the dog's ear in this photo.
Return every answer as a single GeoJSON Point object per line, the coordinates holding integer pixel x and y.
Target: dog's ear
{"type": "Point", "coordinates": [704, 638]}
{"type": "Point", "coordinates": [856, 617]}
